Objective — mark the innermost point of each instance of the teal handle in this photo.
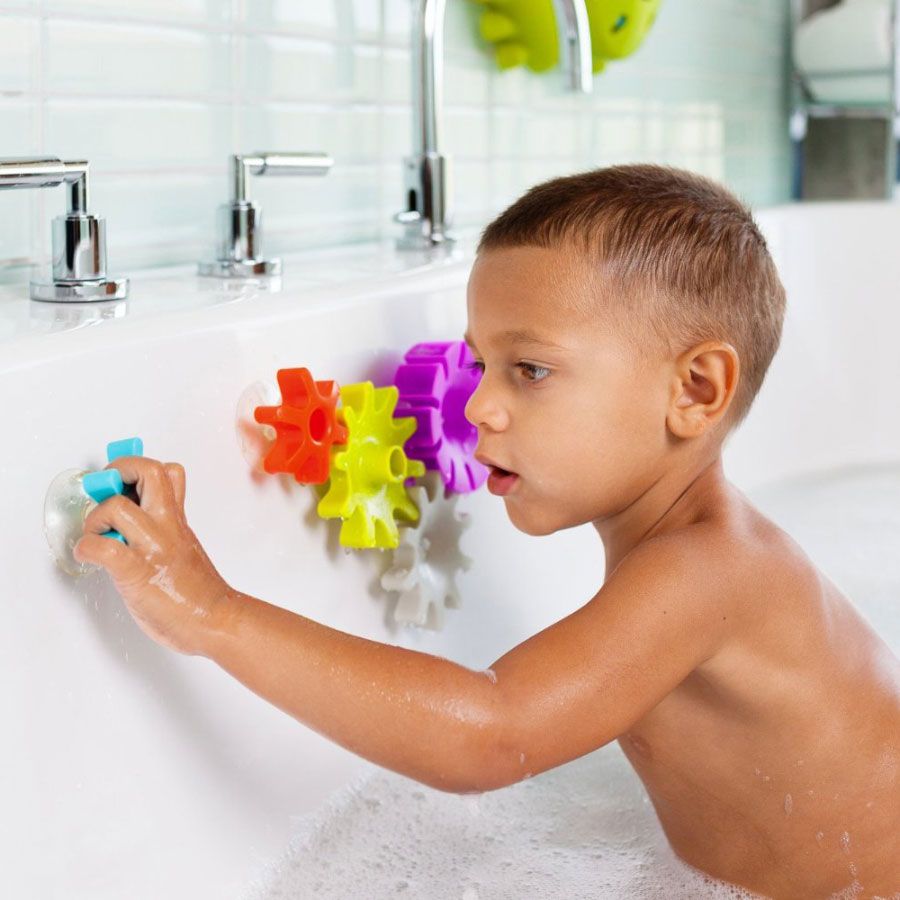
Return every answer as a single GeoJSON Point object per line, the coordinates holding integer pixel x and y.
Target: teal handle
{"type": "Point", "coordinates": [126, 447]}
{"type": "Point", "coordinates": [102, 485]}
{"type": "Point", "coordinates": [106, 483]}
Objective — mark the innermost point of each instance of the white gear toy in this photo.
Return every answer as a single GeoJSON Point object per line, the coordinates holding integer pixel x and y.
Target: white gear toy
{"type": "Point", "coordinates": [428, 556]}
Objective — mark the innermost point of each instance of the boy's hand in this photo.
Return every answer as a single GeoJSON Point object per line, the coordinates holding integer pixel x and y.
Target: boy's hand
{"type": "Point", "coordinates": [166, 579]}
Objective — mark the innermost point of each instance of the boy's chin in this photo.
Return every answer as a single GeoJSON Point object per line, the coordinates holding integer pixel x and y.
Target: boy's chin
{"type": "Point", "coordinates": [536, 525]}
{"type": "Point", "coordinates": [539, 523]}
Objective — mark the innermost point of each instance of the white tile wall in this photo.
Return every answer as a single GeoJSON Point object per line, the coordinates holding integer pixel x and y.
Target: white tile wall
{"type": "Point", "coordinates": [158, 93]}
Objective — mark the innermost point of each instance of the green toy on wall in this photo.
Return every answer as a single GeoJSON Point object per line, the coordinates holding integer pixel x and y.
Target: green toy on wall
{"type": "Point", "coordinates": [524, 32]}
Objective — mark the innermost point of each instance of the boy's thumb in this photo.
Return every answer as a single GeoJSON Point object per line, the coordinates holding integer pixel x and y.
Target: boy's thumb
{"type": "Point", "coordinates": [79, 551]}
{"type": "Point", "coordinates": [96, 550]}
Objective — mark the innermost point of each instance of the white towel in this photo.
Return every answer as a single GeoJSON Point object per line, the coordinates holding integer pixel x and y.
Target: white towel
{"type": "Point", "coordinates": [852, 37]}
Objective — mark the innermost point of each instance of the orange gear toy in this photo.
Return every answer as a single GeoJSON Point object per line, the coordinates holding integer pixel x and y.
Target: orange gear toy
{"type": "Point", "coordinates": [307, 424]}
{"type": "Point", "coordinates": [368, 476]}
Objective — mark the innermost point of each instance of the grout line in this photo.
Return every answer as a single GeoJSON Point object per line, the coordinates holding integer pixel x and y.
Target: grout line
{"type": "Point", "coordinates": [210, 27]}
{"type": "Point", "coordinates": [382, 229]}
{"type": "Point", "coordinates": [40, 226]}
{"type": "Point", "coordinates": [238, 49]}
{"type": "Point", "coordinates": [177, 171]}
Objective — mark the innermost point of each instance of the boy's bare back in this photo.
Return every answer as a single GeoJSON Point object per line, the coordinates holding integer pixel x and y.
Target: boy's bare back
{"type": "Point", "coordinates": [775, 764]}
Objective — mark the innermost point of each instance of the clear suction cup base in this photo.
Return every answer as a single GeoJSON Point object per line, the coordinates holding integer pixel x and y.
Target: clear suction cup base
{"type": "Point", "coordinates": [65, 507]}
{"type": "Point", "coordinates": [254, 439]}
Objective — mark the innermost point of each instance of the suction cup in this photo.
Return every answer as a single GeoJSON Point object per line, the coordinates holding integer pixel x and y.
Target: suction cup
{"type": "Point", "coordinates": [66, 506]}
{"type": "Point", "coordinates": [254, 439]}
{"type": "Point", "coordinates": [74, 493]}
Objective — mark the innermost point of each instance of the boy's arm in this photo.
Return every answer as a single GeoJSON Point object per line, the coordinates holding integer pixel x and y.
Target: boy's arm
{"type": "Point", "coordinates": [423, 716]}
{"type": "Point", "coordinates": [568, 690]}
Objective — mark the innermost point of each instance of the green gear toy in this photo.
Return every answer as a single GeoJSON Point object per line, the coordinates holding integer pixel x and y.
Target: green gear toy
{"type": "Point", "coordinates": [524, 32]}
{"type": "Point", "coordinates": [618, 27]}
{"type": "Point", "coordinates": [368, 474]}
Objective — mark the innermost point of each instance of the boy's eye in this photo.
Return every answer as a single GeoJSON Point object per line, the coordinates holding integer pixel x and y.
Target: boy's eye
{"type": "Point", "coordinates": [532, 372]}
{"type": "Point", "coordinates": [536, 373]}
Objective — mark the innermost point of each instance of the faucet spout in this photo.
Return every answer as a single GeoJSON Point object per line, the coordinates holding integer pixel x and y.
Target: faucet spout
{"type": "Point", "coordinates": [427, 214]}
{"type": "Point", "coordinates": [575, 42]}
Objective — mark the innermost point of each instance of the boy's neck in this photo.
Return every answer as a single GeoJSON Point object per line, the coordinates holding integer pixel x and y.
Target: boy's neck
{"type": "Point", "coordinates": [680, 497]}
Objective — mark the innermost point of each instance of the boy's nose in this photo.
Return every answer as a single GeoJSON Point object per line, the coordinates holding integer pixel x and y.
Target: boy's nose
{"type": "Point", "coordinates": [481, 410]}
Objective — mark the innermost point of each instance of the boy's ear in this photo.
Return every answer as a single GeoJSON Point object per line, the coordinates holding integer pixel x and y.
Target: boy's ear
{"type": "Point", "coordinates": [703, 385]}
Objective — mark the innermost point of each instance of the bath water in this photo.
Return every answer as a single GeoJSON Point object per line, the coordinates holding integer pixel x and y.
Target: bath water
{"type": "Point", "coordinates": [586, 829]}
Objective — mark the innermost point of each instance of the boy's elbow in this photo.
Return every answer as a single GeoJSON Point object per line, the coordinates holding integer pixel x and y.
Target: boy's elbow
{"type": "Point", "coordinates": [490, 763]}
{"type": "Point", "coordinates": [484, 775]}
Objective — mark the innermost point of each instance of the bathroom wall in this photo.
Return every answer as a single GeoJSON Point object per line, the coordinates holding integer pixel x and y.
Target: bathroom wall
{"type": "Point", "coordinates": [157, 93]}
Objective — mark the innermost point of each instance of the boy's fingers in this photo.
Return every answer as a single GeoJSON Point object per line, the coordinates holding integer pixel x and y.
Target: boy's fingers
{"type": "Point", "coordinates": [101, 551]}
{"type": "Point", "coordinates": [176, 475]}
{"type": "Point", "coordinates": [154, 487]}
{"type": "Point", "coordinates": [125, 516]}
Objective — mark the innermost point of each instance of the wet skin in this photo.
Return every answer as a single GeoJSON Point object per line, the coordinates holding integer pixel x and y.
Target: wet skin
{"type": "Point", "coordinates": [763, 712]}
{"type": "Point", "coordinates": [760, 710]}
{"type": "Point", "coordinates": [774, 764]}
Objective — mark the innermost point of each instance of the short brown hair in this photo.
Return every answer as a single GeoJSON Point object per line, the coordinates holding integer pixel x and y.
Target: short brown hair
{"type": "Point", "coordinates": [682, 253]}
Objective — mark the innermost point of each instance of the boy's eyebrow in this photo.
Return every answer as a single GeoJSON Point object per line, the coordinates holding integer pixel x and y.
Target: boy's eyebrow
{"type": "Point", "coordinates": [520, 336]}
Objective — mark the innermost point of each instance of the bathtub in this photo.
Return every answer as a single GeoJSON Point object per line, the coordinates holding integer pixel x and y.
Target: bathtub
{"type": "Point", "coordinates": [130, 771]}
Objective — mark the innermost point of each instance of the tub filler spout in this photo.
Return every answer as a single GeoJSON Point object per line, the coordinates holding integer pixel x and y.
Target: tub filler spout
{"type": "Point", "coordinates": [427, 215]}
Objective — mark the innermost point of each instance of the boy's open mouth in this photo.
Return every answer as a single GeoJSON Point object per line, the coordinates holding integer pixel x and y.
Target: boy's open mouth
{"type": "Point", "coordinates": [500, 481]}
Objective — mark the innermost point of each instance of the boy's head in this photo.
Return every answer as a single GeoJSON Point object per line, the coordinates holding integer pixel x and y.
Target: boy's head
{"type": "Point", "coordinates": [665, 309]}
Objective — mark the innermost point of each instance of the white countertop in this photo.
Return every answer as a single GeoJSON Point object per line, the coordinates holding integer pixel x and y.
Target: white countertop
{"type": "Point", "coordinates": [310, 277]}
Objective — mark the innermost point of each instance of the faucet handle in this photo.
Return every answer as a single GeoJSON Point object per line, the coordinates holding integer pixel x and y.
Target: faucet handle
{"type": "Point", "coordinates": [240, 221]}
{"type": "Point", "coordinates": [79, 239]}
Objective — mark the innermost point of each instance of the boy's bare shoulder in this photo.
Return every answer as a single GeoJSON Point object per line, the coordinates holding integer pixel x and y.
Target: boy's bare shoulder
{"type": "Point", "coordinates": [738, 561]}
{"type": "Point", "coordinates": [756, 587]}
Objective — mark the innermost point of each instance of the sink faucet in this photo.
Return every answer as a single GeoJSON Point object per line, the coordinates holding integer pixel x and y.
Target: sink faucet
{"type": "Point", "coordinates": [79, 238]}
{"type": "Point", "coordinates": [427, 171]}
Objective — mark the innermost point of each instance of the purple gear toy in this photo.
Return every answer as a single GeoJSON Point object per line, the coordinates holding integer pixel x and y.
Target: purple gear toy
{"type": "Point", "coordinates": [435, 384]}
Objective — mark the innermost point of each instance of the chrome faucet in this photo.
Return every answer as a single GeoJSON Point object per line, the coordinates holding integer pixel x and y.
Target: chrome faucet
{"type": "Point", "coordinates": [427, 216]}
{"type": "Point", "coordinates": [239, 252]}
{"type": "Point", "coordinates": [79, 238]}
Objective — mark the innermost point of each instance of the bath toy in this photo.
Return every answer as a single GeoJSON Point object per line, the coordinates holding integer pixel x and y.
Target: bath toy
{"type": "Point", "coordinates": [72, 494]}
{"type": "Point", "coordinates": [255, 439]}
{"type": "Point", "coordinates": [307, 423]}
{"type": "Point", "coordinates": [102, 485]}
{"type": "Point", "coordinates": [368, 475]}
{"type": "Point", "coordinates": [524, 32]}
{"type": "Point", "coordinates": [428, 556]}
{"type": "Point", "coordinates": [435, 383]}
{"type": "Point", "coordinates": [618, 27]}
{"type": "Point", "coordinates": [126, 447]}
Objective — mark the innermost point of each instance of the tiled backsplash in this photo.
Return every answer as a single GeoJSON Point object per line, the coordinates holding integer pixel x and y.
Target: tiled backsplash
{"type": "Point", "coordinates": [157, 94]}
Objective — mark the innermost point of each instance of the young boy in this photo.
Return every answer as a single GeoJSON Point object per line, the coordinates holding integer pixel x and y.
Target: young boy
{"type": "Point", "coordinates": [624, 320]}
